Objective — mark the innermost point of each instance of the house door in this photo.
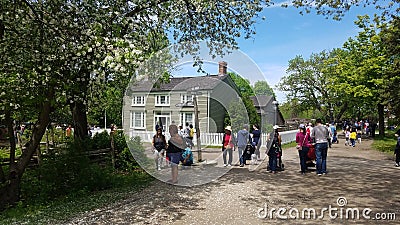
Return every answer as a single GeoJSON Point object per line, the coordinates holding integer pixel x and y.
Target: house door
{"type": "Point", "coordinates": [162, 119]}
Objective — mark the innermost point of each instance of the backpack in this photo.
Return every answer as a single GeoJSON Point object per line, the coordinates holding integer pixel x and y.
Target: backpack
{"type": "Point", "coordinates": [191, 133]}
{"type": "Point", "coordinates": [186, 133]}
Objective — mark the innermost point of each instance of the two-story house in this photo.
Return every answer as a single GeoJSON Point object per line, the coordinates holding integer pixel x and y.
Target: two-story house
{"type": "Point", "coordinates": [146, 105]}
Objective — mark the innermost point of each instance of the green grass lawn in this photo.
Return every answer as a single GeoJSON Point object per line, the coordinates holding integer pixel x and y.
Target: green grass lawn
{"type": "Point", "coordinates": [67, 207]}
{"type": "Point", "coordinates": [385, 144]}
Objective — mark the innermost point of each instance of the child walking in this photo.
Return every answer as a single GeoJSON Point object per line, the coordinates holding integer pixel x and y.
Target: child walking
{"type": "Point", "coordinates": [347, 135]}
{"type": "Point", "coordinates": [359, 137]}
{"type": "Point", "coordinates": [353, 136]}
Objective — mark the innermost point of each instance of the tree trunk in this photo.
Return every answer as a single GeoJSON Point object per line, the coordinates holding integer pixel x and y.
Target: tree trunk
{"type": "Point", "coordinates": [9, 193]}
{"type": "Point", "coordinates": [79, 116]}
{"type": "Point", "coordinates": [2, 177]}
{"type": "Point", "coordinates": [381, 119]}
{"type": "Point", "coordinates": [342, 110]}
{"type": "Point", "coordinates": [13, 144]}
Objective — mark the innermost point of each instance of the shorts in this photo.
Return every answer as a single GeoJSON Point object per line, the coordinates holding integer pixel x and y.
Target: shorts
{"type": "Point", "coordinates": [175, 157]}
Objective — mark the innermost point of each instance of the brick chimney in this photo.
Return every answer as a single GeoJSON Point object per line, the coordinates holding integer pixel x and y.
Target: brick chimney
{"type": "Point", "coordinates": [222, 68]}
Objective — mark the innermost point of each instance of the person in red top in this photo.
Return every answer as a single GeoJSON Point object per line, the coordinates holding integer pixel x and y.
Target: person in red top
{"type": "Point", "coordinates": [303, 145]}
{"type": "Point", "coordinates": [228, 145]}
{"type": "Point", "coordinates": [68, 132]}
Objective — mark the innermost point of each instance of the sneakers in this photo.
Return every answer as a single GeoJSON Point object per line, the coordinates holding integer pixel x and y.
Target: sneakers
{"type": "Point", "coordinates": [229, 165]}
{"type": "Point", "coordinates": [159, 168]}
{"type": "Point", "coordinates": [241, 165]}
{"type": "Point", "coordinates": [397, 165]}
{"type": "Point", "coordinates": [225, 165]}
{"type": "Point", "coordinates": [319, 174]}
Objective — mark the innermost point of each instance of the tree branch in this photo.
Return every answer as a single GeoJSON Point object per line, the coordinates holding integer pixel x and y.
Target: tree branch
{"type": "Point", "coordinates": [139, 9]}
{"type": "Point", "coordinates": [2, 29]}
{"type": "Point", "coordinates": [33, 10]}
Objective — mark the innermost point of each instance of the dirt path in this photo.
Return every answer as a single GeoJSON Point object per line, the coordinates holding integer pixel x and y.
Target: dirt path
{"type": "Point", "coordinates": [358, 178]}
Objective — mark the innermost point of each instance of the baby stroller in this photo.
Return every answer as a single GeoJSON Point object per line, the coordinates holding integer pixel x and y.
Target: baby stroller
{"type": "Point", "coordinates": [310, 159]}
{"type": "Point", "coordinates": [248, 154]}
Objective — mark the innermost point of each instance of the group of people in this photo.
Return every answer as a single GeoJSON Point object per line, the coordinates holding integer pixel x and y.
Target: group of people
{"type": "Point", "coordinates": [243, 140]}
{"type": "Point", "coordinates": [366, 126]}
{"type": "Point", "coordinates": [177, 150]}
{"type": "Point", "coordinates": [351, 136]}
{"type": "Point", "coordinates": [312, 143]}
{"type": "Point", "coordinates": [317, 137]}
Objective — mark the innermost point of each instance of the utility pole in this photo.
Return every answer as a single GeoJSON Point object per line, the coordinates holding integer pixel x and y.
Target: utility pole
{"type": "Point", "coordinates": [197, 125]}
{"type": "Point", "coordinates": [194, 91]}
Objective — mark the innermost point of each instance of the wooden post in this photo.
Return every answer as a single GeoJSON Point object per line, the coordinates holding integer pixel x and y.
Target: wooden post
{"type": "Point", "coordinates": [112, 147]}
{"type": "Point", "coordinates": [197, 125]}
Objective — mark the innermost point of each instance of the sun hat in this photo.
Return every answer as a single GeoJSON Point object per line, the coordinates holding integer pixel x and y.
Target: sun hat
{"type": "Point", "coordinates": [301, 126]}
{"type": "Point", "coordinates": [228, 128]}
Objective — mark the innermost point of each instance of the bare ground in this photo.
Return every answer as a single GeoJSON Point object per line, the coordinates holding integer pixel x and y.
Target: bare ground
{"type": "Point", "coordinates": [367, 179]}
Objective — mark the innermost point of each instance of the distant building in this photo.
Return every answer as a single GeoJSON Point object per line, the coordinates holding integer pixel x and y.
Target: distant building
{"type": "Point", "coordinates": [266, 110]}
{"type": "Point", "coordinates": [173, 102]}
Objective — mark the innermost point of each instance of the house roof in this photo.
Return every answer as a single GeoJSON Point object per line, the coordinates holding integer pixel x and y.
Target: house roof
{"type": "Point", "coordinates": [181, 84]}
{"type": "Point", "coordinates": [261, 100]}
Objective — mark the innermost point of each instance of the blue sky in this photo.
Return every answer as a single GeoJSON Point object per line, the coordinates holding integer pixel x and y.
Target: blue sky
{"type": "Point", "coordinates": [283, 35]}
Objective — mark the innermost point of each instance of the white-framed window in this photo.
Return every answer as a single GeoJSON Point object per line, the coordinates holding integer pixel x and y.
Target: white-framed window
{"type": "Point", "coordinates": [138, 100]}
{"type": "Point", "coordinates": [162, 100]}
{"type": "Point", "coordinates": [185, 98]}
{"type": "Point", "coordinates": [138, 120]}
{"type": "Point", "coordinates": [187, 117]}
{"type": "Point", "coordinates": [162, 119]}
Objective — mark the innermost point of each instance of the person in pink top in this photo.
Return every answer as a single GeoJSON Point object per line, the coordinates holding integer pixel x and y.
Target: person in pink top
{"type": "Point", "coordinates": [228, 145]}
{"type": "Point", "coordinates": [303, 141]}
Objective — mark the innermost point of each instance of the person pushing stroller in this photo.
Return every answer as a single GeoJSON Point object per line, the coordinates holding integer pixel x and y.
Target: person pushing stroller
{"type": "Point", "coordinates": [275, 152]}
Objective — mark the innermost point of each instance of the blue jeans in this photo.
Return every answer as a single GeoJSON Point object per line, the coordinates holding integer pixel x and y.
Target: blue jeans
{"type": "Point", "coordinates": [353, 142]}
{"type": "Point", "coordinates": [240, 151]}
{"type": "Point", "coordinates": [321, 151]}
{"type": "Point", "coordinates": [272, 162]}
{"type": "Point", "coordinates": [303, 156]}
{"type": "Point", "coordinates": [229, 152]}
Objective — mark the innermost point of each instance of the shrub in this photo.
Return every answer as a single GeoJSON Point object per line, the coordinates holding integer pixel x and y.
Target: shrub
{"type": "Point", "coordinates": [124, 159]}
{"type": "Point", "coordinates": [101, 140]}
{"type": "Point", "coordinates": [138, 151]}
{"type": "Point", "coordinates": [61, 174]}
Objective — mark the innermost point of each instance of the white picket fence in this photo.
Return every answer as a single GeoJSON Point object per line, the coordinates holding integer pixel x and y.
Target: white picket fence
{"type": "Point", "coordinates": [214, 139]}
